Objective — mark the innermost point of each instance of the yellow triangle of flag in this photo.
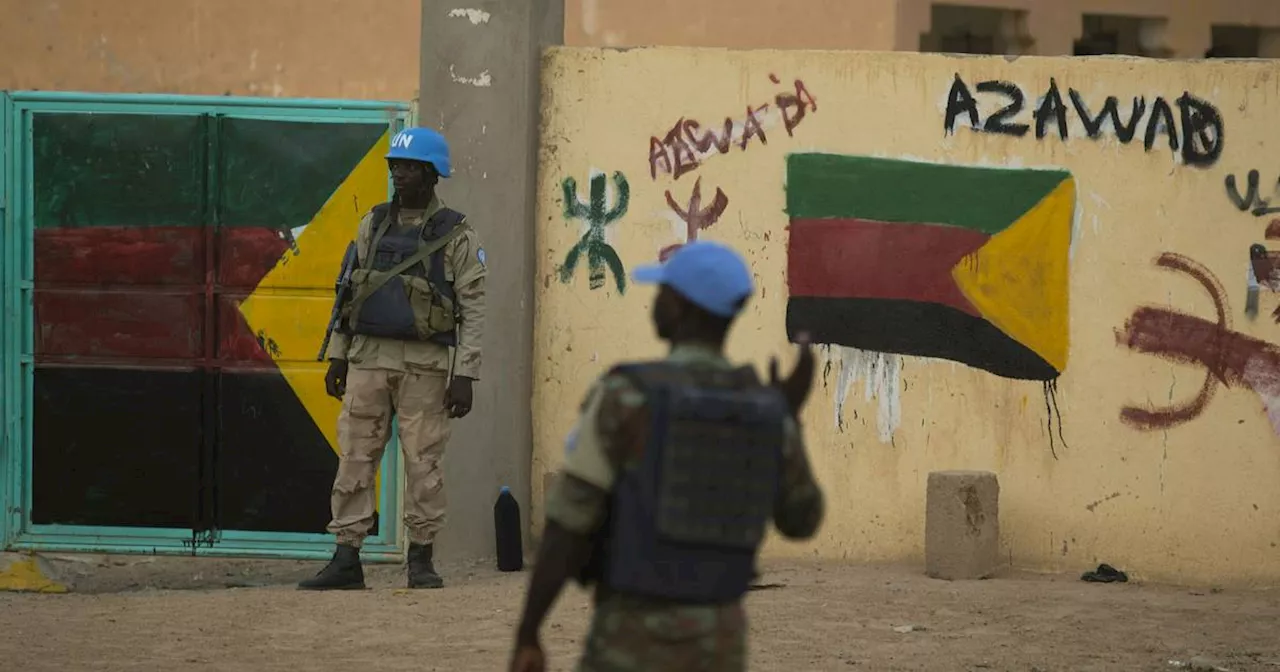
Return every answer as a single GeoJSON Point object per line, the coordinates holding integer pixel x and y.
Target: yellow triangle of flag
{"type": "Point", "coordinates": [1018, 280]}
{"type": "Point", "coordinates": [289, 309]}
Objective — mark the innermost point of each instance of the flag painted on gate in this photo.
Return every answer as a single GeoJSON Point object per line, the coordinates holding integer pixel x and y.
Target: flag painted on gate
{"type": "Point", "coordinates": [961, 263]}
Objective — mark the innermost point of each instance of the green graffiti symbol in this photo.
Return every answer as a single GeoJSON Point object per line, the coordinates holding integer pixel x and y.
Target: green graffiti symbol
{"type": "Point", "coordinates": [600, 255]}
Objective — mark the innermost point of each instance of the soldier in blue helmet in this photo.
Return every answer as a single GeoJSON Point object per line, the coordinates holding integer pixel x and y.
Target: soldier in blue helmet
{"type": "Point", "coordinates": [670, 478]}
{"type": "Point", "coordinates": [408, 346]}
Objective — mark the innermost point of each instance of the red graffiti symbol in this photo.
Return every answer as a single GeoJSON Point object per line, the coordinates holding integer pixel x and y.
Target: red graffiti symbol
{"type": "Point", "coordinates": [703, 144]}
{"type": "Point", "coordinates": [687, 144]}
{"type": "Point", "coordinates": [683, 148]}
{"type": "Point", "coordinates": [751, 126]}
{"type": "Point", "coordinates": [1228, 357]}
{"type": "Point", "coordinates": [673, 153]}
{"type": "Point", "coordinates": [795, 106]}
{"type": "Point", "coordinates": [695, 216]}
{"type": "Point", "coordinates": [1265, 266]}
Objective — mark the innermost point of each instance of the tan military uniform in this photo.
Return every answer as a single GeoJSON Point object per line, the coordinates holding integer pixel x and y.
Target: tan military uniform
{"type": "Point", "coordinates": [634, 633]}
{"type": "Point", "coordinates": [406, 379]}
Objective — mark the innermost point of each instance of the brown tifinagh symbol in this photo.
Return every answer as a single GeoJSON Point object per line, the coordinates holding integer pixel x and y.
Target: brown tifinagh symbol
{"type": "Point", "coordinates": [1264, 271]}
{"type": "Point", "coordinates": [695, 216]}
{"type": "Point", "coordinates": [1228, 357]}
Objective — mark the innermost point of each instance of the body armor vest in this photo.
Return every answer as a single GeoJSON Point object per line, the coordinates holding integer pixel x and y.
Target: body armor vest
{"type": "Point", "coordinates": [688, 515]}
{"type": "Point", "coordinates": [403, 291]}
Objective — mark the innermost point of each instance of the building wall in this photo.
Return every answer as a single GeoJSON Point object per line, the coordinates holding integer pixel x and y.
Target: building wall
{"type": "Point", "coordinates": [1093, 334]}
{"type": "Point", "coordinates": [284, 48]}
{"type": "Point", "coordinates": [777, 24]}
{"type": "Point", "coordinates": [882, 25]}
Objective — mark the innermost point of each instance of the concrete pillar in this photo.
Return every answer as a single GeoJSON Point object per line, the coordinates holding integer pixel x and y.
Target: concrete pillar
{"type": "Point", "coordinates": [480, 72]}
{"type": "Point", "coordinates": [962, 525]}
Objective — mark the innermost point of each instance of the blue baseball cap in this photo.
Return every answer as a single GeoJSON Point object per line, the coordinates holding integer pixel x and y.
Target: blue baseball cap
{"type": "Point", "coordinates": [710, 275]}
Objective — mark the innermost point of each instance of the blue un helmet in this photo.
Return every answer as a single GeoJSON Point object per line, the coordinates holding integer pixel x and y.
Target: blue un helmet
{"type": "Point", "coordinates": [710, 275]}
{"type": "Point", "coordinates": [421, 144]}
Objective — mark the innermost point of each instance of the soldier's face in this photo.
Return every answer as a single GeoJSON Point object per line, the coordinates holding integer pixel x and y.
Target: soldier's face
{"type": "Point", "coordinates": [410, 176]}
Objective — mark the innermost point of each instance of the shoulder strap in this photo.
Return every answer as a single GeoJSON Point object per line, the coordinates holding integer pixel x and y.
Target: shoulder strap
{"type": "Point", "coordinates": [383, 215]}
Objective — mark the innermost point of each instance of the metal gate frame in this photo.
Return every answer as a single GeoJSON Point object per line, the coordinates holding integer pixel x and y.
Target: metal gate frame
{"type": "Point", "coordinates": [17, 364]}
{"type": "Point", "coordinates": [10, 380]}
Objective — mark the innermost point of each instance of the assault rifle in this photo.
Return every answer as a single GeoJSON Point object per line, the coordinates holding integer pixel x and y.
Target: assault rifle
{"type": "Point", "coordinates": [342, 294]}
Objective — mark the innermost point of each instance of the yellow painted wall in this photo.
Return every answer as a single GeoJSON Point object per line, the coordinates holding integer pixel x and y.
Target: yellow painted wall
{"type": "Point", "coordinates": [1195, 502]}
{"type": "Point", "coordinates": [281, 48]}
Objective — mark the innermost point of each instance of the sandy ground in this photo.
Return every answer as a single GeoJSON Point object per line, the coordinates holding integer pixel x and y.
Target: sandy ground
{"type": "Point", "coordinates": [206, 614]}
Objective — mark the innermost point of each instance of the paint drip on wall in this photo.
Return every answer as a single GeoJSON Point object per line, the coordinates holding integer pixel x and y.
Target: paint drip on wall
{"type": "Point", "coordinates": [880, 373]}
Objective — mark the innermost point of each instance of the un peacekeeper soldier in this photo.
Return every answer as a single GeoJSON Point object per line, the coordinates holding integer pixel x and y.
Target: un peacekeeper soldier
{"type": "Point", "coordinates": [418, 292]}
{"type": "Point", "coordinates": [671, 475]}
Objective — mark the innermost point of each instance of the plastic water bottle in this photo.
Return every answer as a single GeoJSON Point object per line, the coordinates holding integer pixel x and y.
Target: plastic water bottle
{"type": "Point", "coordinates": [506, 527]}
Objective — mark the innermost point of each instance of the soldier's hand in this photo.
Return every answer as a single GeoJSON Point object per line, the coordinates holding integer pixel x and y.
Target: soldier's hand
{"type": "Point", "coordinates": [458, 397]}
{"type": "Point", "coordinates": [795, 387]}
{"type": "Point", "coordinates": [335, 380]}
{"type": "Point", "coordinates": [529, 658]}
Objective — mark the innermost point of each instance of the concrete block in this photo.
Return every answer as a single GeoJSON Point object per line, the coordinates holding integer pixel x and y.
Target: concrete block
{"type": "Point", "coordinates": [962, 525]}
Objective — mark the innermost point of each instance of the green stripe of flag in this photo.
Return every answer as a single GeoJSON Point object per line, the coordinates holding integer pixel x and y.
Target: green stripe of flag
{"type": "Point", "coordinates": [890, 190]}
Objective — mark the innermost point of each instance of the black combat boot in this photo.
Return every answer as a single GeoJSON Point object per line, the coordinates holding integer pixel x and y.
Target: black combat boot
{"type": "Point", "coordinates": [422, 574]}
{"type": "Point", "coordinates": [342, 573]}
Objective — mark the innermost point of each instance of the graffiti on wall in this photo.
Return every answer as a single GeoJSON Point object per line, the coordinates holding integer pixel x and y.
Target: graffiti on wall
{"type": "Point", "coordinates": [679, 150]}
{"type": "Point", "coordinates": [906, 258]}
{"type": "Point", "coordinates": [1251, 200]}
{"type": "Point", "coordinates": [695, 217]}
{"type": "Point", "coordinates": [1264, 271]}
{"type": "Point", "coordinates": [1228, 357]}
{"type": "Point", "coordinates": [898, 256]}
{"type": "Point", "coordinates": [1263, 265]}
{"type": "Point", "coordinates": [1194, 133]}
{"type": "Point", "coordinates": [686, 144]}
{"type": "Point", "coordinates": [598, 216]}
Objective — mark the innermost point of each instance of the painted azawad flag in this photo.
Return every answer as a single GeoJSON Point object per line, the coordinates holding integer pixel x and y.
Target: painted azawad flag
{"type": "Point", "coordinates": [183, 278]}
{"type": "Point", "coordinates": [961, 263]}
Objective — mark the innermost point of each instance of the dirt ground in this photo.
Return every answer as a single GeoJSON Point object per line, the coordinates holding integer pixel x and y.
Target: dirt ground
{"type": "Point", "coordinates": [206, 614]}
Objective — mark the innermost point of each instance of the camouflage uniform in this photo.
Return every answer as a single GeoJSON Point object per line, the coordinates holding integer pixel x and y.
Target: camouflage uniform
{"type": "Point", "coordinates": [407, 379]}
{"type": "Point", "coordinates": [632, 633]}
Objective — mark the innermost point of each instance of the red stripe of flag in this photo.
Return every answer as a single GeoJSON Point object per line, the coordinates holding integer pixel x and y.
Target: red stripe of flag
{"type": "Point", "coordinates": [864, 259]}
{"type": "Point", "coordinates": [139, 293]}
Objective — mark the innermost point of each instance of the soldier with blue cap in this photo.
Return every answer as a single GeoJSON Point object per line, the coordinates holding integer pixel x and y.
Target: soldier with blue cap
{"type": "Point", "coordinates": [670, 478]}
{"type": "Point", "coordinates": [408, 346]}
